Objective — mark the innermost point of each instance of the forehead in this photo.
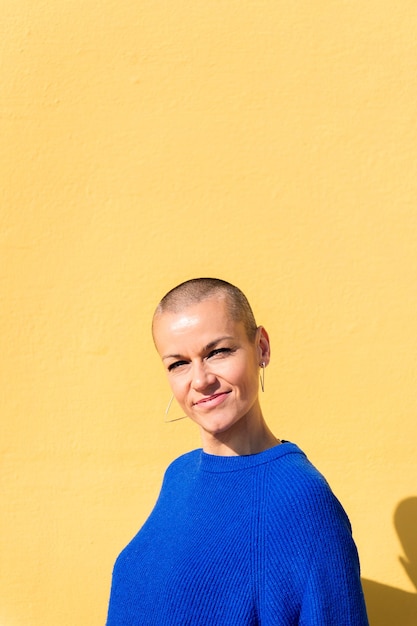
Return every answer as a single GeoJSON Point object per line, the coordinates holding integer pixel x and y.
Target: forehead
{"type": "Point", "coordinates": [198, 323]}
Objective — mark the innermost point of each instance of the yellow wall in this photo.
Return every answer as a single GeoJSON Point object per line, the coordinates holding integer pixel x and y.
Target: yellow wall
{"type": "Point", "coordinates": [271, 143]}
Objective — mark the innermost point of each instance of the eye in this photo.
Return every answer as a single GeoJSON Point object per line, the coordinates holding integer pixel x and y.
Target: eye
{"type": "Point", "coordinates": [176, 365]}
{"type": "Point", "coordinates": [219, 351]}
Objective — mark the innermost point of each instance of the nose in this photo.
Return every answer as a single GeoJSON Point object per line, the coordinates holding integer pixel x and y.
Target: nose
{"type": "Point", "coordinates": [201, 376]}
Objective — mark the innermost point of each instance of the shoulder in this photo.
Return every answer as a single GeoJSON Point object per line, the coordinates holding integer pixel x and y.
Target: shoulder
{"type": "Point", "coordinates": [303, 514]}
{"type": "Point", "coordinates": [299, 489]}
{"type": "Point", "coordinates": [185, 464]}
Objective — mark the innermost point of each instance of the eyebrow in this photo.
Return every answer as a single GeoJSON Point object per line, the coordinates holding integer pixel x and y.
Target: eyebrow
{"type": "Point", "coordinates": [206, 348]}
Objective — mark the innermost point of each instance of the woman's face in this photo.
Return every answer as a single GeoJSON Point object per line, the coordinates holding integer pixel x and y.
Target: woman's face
{"type": "Point", "coordinates": [212, 366]}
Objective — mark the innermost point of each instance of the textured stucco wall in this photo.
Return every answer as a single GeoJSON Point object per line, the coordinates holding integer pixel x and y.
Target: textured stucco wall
{"type": "Point", "coordinates": [270, 143]}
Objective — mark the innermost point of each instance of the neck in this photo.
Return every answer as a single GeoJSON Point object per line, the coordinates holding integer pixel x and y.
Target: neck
{"type": "Point", "coordinates": [243, 440]}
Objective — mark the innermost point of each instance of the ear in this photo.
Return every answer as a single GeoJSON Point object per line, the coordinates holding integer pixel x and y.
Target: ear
{"type": "Point", "coordinates": [264, 346]}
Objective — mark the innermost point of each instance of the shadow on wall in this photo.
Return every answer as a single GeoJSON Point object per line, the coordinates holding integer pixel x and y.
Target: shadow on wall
{"type": "Point", "coordinates": [388, 606]}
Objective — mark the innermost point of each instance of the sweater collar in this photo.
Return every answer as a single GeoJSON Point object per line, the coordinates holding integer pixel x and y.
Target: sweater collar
{"type": "Point", "coordinates": [214, 463]}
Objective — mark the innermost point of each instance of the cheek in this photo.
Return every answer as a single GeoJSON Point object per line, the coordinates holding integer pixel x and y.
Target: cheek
{"type": "Point", "coordinates": [244, 377]}
{"type": "Point", "coordinates": [177, 387]}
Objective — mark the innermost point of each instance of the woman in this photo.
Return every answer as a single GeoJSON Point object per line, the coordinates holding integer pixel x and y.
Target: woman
{"type": "Point", "coordinates": [245, 531]}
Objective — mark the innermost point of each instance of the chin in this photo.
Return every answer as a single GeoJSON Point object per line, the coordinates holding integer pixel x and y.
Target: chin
{"type": "Point", "coordinates": [217, 427]}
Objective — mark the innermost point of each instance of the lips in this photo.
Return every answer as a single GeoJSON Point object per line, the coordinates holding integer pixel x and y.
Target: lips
{"type": "Point", "coordinates": [211, 401]}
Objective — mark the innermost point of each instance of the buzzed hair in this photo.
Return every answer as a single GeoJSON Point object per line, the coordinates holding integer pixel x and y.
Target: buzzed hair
{"type": "Point", "coordinates": [199, 289]}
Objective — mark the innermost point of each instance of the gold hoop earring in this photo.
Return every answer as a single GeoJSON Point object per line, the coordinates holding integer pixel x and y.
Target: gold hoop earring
{"type": "Point", "coordinates": [176, 419]}
{"type": "Point", "coordinates": [262, 376]}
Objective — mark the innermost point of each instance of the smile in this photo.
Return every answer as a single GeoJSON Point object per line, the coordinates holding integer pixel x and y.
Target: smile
{"type": "Point", "coordinates": [214, 400]}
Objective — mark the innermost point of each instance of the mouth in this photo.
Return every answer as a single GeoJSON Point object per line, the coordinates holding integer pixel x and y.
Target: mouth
{"type": "Point", "coordinates": [212, 401]}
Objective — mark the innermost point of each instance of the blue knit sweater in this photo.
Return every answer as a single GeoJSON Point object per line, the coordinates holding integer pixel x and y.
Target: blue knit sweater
{"type": "Point", "coordinates": [239, 541]}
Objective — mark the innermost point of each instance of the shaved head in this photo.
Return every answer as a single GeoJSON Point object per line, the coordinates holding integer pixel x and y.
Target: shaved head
{"type": "Point", "coordinates": [198, 289]}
